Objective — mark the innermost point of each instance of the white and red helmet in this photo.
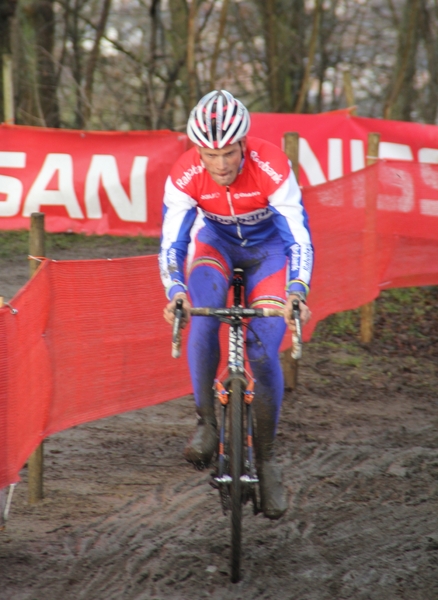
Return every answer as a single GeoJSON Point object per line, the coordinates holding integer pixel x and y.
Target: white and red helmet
{"type": "Point", "coordinates": [218, 120]}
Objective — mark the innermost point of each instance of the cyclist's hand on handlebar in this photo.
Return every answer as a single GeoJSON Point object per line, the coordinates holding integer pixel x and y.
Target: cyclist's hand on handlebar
{"type": "Point", "coordinates": [305, 314]}
{"type": "Point", "coordinates": [169, 310]}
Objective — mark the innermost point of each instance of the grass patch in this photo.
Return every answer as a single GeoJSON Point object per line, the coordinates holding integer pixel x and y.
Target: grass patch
{"type": "Point", "coordinates": [404, 322]}
{"type": "Point", "coordinates": [392, 301]}
{"type": "Point", "coordinates": [13, 243]}
{"type": "Point", "coordinates": [16, 243]}
{"type": "Point", "coordinates": [343, 324]}
{"type": "Point", "coordinates": [348, 361]}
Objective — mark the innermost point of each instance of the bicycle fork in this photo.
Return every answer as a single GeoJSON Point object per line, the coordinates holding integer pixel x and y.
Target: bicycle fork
{"type": "Point", "coordinates": [236, 368]}
{"type": "Point", "coordinates": [251, 475]}
{"type": "Point", "coordinates": [223, 396]}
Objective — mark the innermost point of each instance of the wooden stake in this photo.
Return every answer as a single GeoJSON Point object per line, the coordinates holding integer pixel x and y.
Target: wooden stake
{"type": "Point", "coordinates": [289, 364]}
{"type": "Point", "coordinates": [8, 89]}
{"type": "Point", "coordinates": [291, 148]}
{"type": "Point", "coordinates": [37, 243]}
{"type": "Point", "coordinates": [348, 90]}
{"type": "Point", "coordinates": [35, 469]}
{"type": "Point", "coordinates": [373, 148]}
{"type": "Point", "coordinates": [35, 464]}
{"type": "Point", "coordinates": [367, 310]}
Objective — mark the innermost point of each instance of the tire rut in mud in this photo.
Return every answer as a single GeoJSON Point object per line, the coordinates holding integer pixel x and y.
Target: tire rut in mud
{"type": "Point", "coordinates": [126, 517]}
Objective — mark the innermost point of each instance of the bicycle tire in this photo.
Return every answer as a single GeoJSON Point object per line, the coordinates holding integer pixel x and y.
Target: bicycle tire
{"type": "Point", "coordinates": [236, 470]}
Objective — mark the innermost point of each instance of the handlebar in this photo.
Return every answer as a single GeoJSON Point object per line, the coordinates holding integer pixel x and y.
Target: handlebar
{"type": "Point", "coordinates": [297, 342]}
{"type": "Point", "coordinates": [237, 312]}
{"type": "Point", "coordinates": [176, 331]}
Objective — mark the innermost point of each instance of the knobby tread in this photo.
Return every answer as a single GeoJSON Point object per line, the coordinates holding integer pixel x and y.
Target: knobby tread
{"type": "Point", "coordinates": [236, 468]}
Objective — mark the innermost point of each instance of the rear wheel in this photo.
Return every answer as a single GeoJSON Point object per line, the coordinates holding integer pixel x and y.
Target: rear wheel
{"type": "Point", "coordinates": [236, 470]}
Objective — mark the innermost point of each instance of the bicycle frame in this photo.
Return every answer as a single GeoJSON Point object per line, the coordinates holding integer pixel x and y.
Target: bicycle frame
{"type": "Point", "coordinates": [236, 368]}
{"type": "Point", "coordinates": [236, 476]}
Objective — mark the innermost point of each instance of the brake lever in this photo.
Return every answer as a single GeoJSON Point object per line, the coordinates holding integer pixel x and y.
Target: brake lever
{"type": "Point", "coordinates": [297, 343]}
{"type": "Point", "coordinates": [176, 331]}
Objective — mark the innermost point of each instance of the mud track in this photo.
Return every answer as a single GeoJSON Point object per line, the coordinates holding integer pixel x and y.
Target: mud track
{"type": "Point", "coordinates": [124, 517]}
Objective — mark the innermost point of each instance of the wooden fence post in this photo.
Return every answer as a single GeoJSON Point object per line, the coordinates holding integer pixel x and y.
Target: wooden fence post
{"type": "Point", "coordinates": [291, 148]}
{"type": "Point", "coordinates": [8, 89]}
{"type": "Point", "coordinates": [35, 464]}
{"type": "Point", "coordinates": [367, 310]}
{"type": "Point", "coordinates": [348, 91]}
{"type": "Point", "coordinates": [289, 364]}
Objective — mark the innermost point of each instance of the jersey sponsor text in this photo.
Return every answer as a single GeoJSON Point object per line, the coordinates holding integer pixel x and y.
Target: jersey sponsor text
{"type": "Point", "coordinates": [246, 194]}
{"type": "Point", "coordinates": [266, 167]}
{"type": "Point", "coordinates": [187, 177]}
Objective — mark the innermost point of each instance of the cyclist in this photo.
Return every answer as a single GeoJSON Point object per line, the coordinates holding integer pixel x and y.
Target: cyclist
{"type": "Point", "coordinates": [233, 201]}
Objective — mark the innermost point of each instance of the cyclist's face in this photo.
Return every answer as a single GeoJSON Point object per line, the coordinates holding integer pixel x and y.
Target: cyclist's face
{"type": "Point", "coordinates": [223, 163]}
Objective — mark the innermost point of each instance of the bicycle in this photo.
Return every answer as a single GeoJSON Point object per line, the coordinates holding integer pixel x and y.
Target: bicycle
{"type": "Point", "coordinates": [236, 475]}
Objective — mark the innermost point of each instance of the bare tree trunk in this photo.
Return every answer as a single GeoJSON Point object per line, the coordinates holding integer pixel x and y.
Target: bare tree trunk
{"type": "Point", "coordinates": [29, 106]}
{"type": "Point", "coordinates": [154, 14]}
{"type": "Point", "coordinates": [294, 53]}
{"type": "Point", "coordinates": [220, 35]}
{"type": "Point", "coordinates": [75, 38]}
{"type": "Point", "coordinates": [430, 107]}
{"type": "Point", "coordinates": [177, 37]}
{"type": "Point", "coordinates": [191, 65]}
{"type": "Point", "coordinates": [7, 12]}
{"type": "Point", "coordinates": [92, 61]}
{"type": "Point", "coordinates": [310, 58]}
{"type": "Point", "coordinates": [44, 25]}
{"type": "Point", "coordinates": [272, 53]}
{"type": "Point", "coordinates": [399, 99]}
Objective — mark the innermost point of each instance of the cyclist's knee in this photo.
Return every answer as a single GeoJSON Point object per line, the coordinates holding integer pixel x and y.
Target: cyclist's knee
{"type": "Point", "coordinates": [208, 286]}
{"type": "Point", "coordinates": [264, 337]}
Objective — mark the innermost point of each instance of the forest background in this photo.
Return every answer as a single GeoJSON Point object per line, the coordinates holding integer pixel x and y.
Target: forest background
{"type": "Point", "coordinates": [142, 64]}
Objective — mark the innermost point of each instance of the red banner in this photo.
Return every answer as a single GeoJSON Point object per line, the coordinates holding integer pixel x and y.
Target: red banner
{"type": "Point", "coordinates": [334, 144]}
{"type": "Point", "coordinates": [91, 182]}
{"type": "Point", "coordinates": [113, 182]}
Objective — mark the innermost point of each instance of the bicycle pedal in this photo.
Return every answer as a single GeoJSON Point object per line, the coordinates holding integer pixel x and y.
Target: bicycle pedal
{"type": "Point", "coordinates": [249, 479]}
{"type": "Point", "coordinates": [225, 479]}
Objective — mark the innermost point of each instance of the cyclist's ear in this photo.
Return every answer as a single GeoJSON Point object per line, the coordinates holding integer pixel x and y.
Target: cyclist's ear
{"type": "Point", "coordinates": [242, 144]}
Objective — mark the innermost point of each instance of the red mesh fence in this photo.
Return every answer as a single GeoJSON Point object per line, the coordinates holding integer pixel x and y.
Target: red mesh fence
{"type": "Point", "coordinates": [89, 341]}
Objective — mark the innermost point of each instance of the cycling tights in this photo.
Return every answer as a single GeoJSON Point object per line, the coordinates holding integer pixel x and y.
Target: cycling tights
{"type": "Point", "coordinates": [264, 281]}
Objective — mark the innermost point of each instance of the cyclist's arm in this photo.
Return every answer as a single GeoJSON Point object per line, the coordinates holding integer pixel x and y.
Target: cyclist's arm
{"type": "Point", "coordinates": [292, 224]}
{"type": "Point", "coordinates": [179, 214]}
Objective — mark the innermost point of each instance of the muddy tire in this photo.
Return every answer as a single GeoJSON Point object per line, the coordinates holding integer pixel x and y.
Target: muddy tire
{"type": "Point", "coordinates": [236, 470]}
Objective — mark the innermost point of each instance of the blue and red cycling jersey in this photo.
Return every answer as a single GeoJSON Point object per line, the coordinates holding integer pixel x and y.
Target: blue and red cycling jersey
{"type": "Point", "coordinates": [264, 200]}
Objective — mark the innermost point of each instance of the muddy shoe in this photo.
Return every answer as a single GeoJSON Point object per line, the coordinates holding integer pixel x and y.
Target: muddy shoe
{"type": "Point", "coordinates": [202, 445]}
{"type": "Point", "coordinates": [272, 493]}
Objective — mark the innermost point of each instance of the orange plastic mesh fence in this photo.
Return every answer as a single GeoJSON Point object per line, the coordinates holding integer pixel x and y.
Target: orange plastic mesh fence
{"type": "Point", "coordinates": [374, 229]}
{"type": "Point", "coordinates": [89, 340]}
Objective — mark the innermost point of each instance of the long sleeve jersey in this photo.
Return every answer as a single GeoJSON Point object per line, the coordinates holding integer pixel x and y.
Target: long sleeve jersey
{"type": "Point", "coordinates": [264, 199]}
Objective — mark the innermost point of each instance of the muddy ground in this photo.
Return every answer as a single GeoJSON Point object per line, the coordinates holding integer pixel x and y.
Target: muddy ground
{"type": "Point", "coordinates": [125, 518]}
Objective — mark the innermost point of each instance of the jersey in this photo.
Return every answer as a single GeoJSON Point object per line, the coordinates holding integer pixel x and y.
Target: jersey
{"type": "Point", "coordinates": [264, 199]}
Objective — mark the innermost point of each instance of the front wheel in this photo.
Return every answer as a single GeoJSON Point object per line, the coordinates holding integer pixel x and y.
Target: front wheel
{"type": "Point", "coordinates": [236, 469]}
